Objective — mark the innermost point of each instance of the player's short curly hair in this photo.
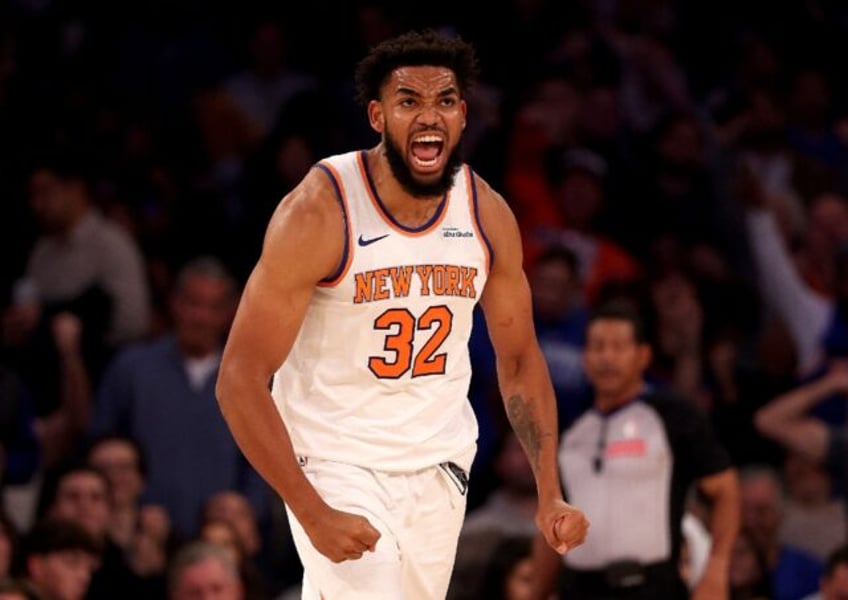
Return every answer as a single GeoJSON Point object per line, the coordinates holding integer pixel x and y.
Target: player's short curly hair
{"type": "Point", "coordinates": [415, 48]}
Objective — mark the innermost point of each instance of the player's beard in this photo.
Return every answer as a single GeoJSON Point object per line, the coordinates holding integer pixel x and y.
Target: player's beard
{"type": "Point", "coordinates": [406, 178]}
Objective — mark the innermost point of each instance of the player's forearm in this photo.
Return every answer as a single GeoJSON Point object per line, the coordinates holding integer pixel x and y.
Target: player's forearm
{"type": "Point", "coordinates": [264, 439]}
{"type": "Point", "coordinates": [531, 408]}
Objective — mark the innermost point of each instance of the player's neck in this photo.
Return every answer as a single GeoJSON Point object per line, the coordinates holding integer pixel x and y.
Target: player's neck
{"type": "Point", "coordinates": [408, 210]}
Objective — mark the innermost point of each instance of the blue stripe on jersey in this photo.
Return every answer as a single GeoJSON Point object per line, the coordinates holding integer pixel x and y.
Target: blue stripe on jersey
{"type": "Point", "coordinates": [477, 219]}
{"type": "Point", "coordinates": [340, 200]}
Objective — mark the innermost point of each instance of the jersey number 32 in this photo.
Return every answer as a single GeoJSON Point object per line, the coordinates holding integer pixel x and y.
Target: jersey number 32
{"type": "Point", "coordinates": [402, 325]}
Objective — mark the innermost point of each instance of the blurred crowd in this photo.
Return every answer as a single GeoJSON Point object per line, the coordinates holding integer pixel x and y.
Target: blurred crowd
{"type": "Point", "coordinates": [689, 157]}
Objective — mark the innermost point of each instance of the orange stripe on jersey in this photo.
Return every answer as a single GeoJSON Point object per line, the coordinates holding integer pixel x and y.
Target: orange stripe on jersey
{"type": "Point", "coordinates": [475, 217]}
{"type": "Point", "coordinates": [347, 259]}
{"type": "Point", "coordinates": [384, 214]}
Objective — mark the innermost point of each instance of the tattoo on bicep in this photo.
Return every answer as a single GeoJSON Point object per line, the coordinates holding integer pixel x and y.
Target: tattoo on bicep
{"type": "Point", "coordinates": [526, 427]}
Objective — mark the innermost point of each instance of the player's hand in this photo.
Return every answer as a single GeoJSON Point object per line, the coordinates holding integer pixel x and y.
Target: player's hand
{"type": "Point", "coordinates": [341, 535]}
{"type": "Point", "coordinates": [563, 525]}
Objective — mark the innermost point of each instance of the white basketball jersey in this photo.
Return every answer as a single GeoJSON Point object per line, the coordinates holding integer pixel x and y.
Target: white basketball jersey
{"type": "Point", "coordinates": [379, 373]}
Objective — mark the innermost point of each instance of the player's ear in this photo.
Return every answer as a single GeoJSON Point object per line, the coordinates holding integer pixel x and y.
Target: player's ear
{"type": "Point", "coordinates": [375, 116]}
{"type": "Point", "coordinates": [464, 107]}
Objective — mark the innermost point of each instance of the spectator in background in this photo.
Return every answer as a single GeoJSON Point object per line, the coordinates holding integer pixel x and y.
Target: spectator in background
{"type": "Point", "coordinates": [560, 315]}
{"type": "Point", "coordinates": [788, 420]}
{"type": "Point", "coordinates": [823, 236]}
{"type": "Point", "coordinates": [204, 570]}
{"type": "Point", "coordinates": [14, 590]}
{"type": "Point", "coordinates": [278, 164]}
{"type": "Point", "coordinates": [810, 129]}
{"type": "Point", "coordinates": [509, 573]}
{"type": "Point", "coordinates": [46, 387]}
{"type": "Point", "coordinates": [162, 393]}
{"type": "Point", "coordinates": [577, 180]}
{"type": "Point", "coordinates": [234, 508]}
{"type": "Point", "coordinates": [58, 559]}
{"type": "Point", "coordinates": [270, 562]}
{"type": "Point", "coordinates": [19, 447]}
{"type": "Point", "coordinates": [544, 121]}
{"type": "Point", "coordinates": [83, 294]}
{"type": "Point", "coordinates": [793, 573]}
{"type": "Point", "coordinates": [834, 582]}
{"type": "Point", "coordinates": [60, 431]}
{"type": "Point", "coordinates": [653, 82]}
{"type": "Point", "coordinates": [80, 252]}
{"type": "Point", "coordinates": [261, 90]}
{"type": "Point", "coordinates": [815, 518]}
{"type": "Point", "coordinates": [473, 553]}
{"type": "Point", "coordinates": [817, 323]}
{"type": "Point", "coordinates": [223, 534]}
{"type": "Point", "coordinates": [678, 360]}
{"type": "Point", "coordinates": [678, 196]}
{"type": "Point", "coordinates": [749, 578]}
{"type": "Point", "coordinates": [121, 460]}
{"type": "Point", "coordinates": [233, 120]}
{"type": "Point", "coordinates": [511, 506]}
{"type": "Point", "coordinates": [9, 545]}
{"type": "Point", "coordinates": [81, 494]}
{"type": "Point", "coordinates": [141, 531]}
{"type": "Point", "coordinates": [733, 103]}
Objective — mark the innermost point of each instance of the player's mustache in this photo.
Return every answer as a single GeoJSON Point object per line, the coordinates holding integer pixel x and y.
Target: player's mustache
{"type": "Point", "coordinates": [430, 129]}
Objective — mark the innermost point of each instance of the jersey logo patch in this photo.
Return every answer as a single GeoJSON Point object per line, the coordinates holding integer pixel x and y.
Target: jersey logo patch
{"type": "Point", "coordinates": [455, 232]}
{"type": "Point", "coordinates": [621, 448]}
{"type": "Point", "coordinates": [367, 242]}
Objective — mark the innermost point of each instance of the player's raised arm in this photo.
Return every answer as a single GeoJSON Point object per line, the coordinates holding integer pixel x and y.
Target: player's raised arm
{"type": "Point", "coordinates": [303, 245]}
{"type": "Point", "coordinates": [523, 376]}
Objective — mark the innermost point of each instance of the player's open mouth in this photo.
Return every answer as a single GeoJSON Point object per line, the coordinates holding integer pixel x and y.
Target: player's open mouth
{"type": "Point", "coordinates": [426, 150]}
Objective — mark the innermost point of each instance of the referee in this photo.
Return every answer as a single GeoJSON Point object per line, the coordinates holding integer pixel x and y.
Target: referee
{"type": "Point", "coordinates": [629, 462]}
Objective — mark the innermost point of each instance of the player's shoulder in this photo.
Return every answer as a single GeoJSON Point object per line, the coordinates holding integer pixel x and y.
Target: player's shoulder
{"type": "Point", "coordinates": [491, 204]}
{"type": "Point", "coordinates": [306, 231]}
{"type": "Point", "coordinates": [486, 192]}
{"type": "Point", "coordinates": [495, 214]}
{"type": "Point", "coordinates": [314, 197]}
{"type": "Point", "coordinates": [310, 214]}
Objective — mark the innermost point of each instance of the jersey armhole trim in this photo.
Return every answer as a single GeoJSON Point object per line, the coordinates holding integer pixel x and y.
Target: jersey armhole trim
{"type": "Point", "coordinates": [344, 265]}
{"type": "Point", "coordinates": [475, 218]}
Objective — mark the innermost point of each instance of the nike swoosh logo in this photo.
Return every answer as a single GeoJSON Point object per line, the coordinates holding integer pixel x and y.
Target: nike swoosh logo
{"type": "Point", "coordinates": [364, 242]}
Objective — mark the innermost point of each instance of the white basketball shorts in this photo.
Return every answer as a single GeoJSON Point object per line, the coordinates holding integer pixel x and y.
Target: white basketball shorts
{"type": "Point", "coordinates": [419, 516]}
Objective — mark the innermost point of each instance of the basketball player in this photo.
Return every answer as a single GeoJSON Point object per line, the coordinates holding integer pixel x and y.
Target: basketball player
{"type": "Point", "coordinates": [361, 307]}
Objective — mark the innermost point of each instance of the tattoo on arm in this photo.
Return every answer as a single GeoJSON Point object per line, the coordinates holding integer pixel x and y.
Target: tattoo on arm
{"type": "Point", "coordinates": [526, 427]}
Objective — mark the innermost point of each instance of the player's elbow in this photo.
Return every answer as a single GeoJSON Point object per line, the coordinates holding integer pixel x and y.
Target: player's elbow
{"type": "Point", "coordinates": [515, 362]}
{"type": "Point", "coordinates": [227, 385]}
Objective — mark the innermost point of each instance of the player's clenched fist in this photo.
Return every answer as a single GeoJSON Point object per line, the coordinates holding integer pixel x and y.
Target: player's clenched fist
{"type": "Point", "coordinates": [563, 525]}
{"type": "Point", "coordinates": [340, 535]}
